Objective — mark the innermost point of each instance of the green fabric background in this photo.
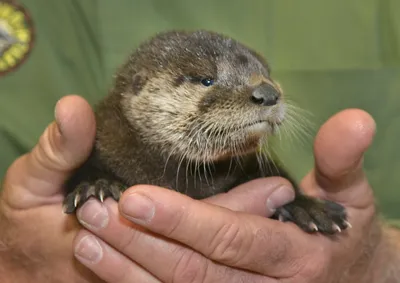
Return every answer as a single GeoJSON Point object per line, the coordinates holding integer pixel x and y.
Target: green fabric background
{"type": "Point", "coordinates": [328, 56]}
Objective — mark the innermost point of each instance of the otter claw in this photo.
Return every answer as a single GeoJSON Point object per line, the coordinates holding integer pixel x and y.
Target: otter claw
{"type": "Point", "coordinates": [336, 228]}
{"type": "Point", "coordinates": [314, 215]}
{"type": "Point", "coordinates": [313, 227]}
{"type": "Point", "coordinates": [101, 195]}
{"type": "Point", "coordinates": [76, 200]}
{"type": "Point", "coordinates": [101, 189]}
{"type": "Point", "coordinates": [348, 225]}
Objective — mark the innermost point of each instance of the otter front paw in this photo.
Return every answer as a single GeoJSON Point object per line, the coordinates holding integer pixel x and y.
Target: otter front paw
{"type": "Point", "coordinates": [100, 189]}
{"type": "Point", "coordinates": [313, 215]}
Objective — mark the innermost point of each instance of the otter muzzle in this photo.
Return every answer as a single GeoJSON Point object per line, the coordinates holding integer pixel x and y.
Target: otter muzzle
{"type": "Point", "coordinates": [265, 95]}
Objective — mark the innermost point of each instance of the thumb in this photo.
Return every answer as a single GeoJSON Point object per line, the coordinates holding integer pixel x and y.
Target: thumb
{"type": "Point", "coordinates": [36, 178]}
{"type": "Point", "coordinates": [339, 151]}
{"type": "Point", "coordinates": [260, 196]}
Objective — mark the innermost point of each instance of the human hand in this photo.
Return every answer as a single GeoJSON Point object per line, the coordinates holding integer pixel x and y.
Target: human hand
{"type": "Point", "coordinates": [154, 251]}
{"type": "Point", "coordinates": [35, 236]}
{"type": "Point", "coordinates": [178, 239]}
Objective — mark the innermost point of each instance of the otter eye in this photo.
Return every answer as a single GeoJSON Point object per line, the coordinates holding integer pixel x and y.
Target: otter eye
{"type": "Point", "coordinates": [207, 82]}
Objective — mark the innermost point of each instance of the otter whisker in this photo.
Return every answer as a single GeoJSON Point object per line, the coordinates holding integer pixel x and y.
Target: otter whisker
{"type": "Point", "coordinates": [273, 162]}
{"type": "Point", "coordinates": [205, 172]}
{"type": "Point", "coordinates": [262, 159]}
{"type": "Point", "coordinates": [182, 158]}
{"type": "Point", "coordinates": [278, 130]}
{"type": "Point", "coordinates": [267, 158]}
{"type": "Point", "coordinates": [297, 122]}
{"type": "Point", "coordinates": [284, 128]}
{"type": "Point", "coordinates": [229, 168]}
{"type": "Point", "coordinates": [260, 162]}
{"type": "Point", "coordinates": [296, 131]}
{"type": "Point", "coordinates": [215, 132]}
{"type": "Point", "coordinates": [297, 114]}
{"type": "Point", "coordinates": [205, 129]}
{"type": "Point", "coordinates": [196, 170]}
{"type": "Point", "coordinates": [188, 164]}
{"type": "Point", "coordinates": [294, 128]}
{"type": "Point", "coordinates": [306, 114]}
{"type": "Point", "coordinates": [168, 158]}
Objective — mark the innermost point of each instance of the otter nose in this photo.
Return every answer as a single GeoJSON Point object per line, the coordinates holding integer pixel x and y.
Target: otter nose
{"type": "Point", "coordinates": [265, 95]}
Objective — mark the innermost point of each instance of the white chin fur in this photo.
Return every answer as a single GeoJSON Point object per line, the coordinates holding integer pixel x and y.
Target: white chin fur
{"type": "Point", "coordinates": [259, 128]}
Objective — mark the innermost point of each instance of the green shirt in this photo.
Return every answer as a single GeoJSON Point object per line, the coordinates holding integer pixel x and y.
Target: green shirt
{"type": "Point", "coordinates": [328, 56]}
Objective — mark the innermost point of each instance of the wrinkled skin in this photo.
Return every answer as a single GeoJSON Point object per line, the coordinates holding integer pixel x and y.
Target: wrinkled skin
{"type": "Point", "coordinates": [35, 236]}
{"type": "Point", "coordinates": [224, 239]}
{"type": "Point", "coordinates": [37, 241]}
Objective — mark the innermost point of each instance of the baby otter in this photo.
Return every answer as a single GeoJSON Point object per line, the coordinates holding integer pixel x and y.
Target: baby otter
{"type": "Point", "coordinates": [190, 111]}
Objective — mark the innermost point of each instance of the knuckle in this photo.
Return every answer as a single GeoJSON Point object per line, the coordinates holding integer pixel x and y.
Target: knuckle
{"type": "Point", "coordinates": [229, 244]}
{"type": "Point", "coordinates": [48, 152]}
{"type": "Point", "coordinates": [191, 267]}
{"type": "Point", "coordinates": [127, 241]}
{"type": "Point", "coordinates": [174, 222]}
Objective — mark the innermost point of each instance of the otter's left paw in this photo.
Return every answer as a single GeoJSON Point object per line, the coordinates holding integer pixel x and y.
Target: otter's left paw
{"type": "Point", "coordinates": [313, 215]}
{"type": "Point", "coordinates": [100, 189]}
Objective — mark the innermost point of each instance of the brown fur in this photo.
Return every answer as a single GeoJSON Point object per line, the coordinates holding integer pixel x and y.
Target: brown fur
{"type": "Point", "coordinates": [160, 125]}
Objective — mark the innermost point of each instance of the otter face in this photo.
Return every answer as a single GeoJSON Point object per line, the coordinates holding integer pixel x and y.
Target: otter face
{"type": "Point", "coordinates": [203, 96]}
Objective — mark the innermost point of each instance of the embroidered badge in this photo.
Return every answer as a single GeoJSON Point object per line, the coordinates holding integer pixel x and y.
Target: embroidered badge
{"type": "Point", "coordinates": [16, 36]}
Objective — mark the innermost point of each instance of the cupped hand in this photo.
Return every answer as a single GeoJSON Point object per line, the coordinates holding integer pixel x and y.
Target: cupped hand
{"type": "Point", "coordinates": [228, 238]}
{"type": "Point", "coordinates": [35, 236]}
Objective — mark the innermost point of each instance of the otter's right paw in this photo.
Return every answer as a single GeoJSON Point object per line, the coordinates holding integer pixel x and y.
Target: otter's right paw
{"type": "Point", "coordinates": [312, 215]}
{"type": "Point", "coordinates": [100, 189]}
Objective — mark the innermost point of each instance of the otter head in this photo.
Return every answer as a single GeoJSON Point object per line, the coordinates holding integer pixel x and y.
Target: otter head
{"type": "Point", "coordinates": [200, 96]}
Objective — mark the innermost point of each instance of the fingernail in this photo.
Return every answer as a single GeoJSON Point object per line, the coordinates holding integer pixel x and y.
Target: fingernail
{"type": "Point", "coordinates": [89, 250]}
{"type": "Point", "coordinates": [93, 215]}
{"type": "Point", "coordinates": [138, 208]}
{"type": "Point", "coordinates": [280, 197]}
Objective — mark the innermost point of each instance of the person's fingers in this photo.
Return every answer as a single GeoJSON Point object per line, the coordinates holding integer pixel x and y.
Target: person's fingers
{"type": "Point", "coordinates": [261, 196]}
{"type": "Point", "coordinates": [233, 238]}
{"type": "Point", "coordinates": [107, 263]}
{"type": "Point", "coordinates": [339, 149]}
{"type": "Point", "coordinates": [165, 259]}
{"type": "Point", "coordinates": [36, 178]}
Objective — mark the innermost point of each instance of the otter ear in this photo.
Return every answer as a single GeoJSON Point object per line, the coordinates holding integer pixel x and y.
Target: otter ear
{"type": "Point", "coordinates": [139, 80]}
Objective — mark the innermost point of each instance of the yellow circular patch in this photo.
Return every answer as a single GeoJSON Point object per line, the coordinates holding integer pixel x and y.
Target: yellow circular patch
{"type": "Point", "coordinates": [16, 36]}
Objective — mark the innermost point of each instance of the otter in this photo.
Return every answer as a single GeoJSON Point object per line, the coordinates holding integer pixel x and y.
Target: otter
{"type": "Point", "coordinates": [191, 111]}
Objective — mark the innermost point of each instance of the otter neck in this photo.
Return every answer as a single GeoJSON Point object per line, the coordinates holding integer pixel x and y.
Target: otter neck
{"type": "Point", "coordinates": [134, 161]}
